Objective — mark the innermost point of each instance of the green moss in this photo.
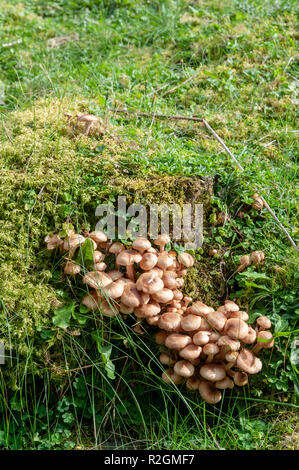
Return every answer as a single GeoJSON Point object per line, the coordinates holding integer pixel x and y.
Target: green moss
{"type": "Point", "coordinates": [50, 174]}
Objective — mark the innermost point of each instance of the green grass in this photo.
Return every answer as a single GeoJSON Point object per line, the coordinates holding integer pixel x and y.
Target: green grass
{"type": "Point", "coordinates": [231, 62]}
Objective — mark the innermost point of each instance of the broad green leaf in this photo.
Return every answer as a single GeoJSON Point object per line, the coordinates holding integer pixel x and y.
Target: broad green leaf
{"type": "Point", "coordinates": [62, 315]}
{"type": "Point", "coordinates": [85, 256]}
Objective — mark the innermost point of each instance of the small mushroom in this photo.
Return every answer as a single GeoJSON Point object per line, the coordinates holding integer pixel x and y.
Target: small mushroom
{"type": "Point", "coordinates": [131, 296]}
{"type": "Point", "coordinates": [96, 279]}
{"type": "Point", "coordinates": [264, 341]}
{"type": "Point", "coordinates": [201, 337]}
{"type": "Point", "coordinates": [190, 322]}
{"type": "Point", "coordinates": [127, 258]}
{"type": "Point", "coordinates": [163, 296]}
{"type": "Point", "coordinates": [53, 241]}
{"type": "Point", "coordinates": [236, 328]}
{"type": "Point", "coordinates": [161, 241]}
{"type": "Point", "coordinates": [192, 383]}
{"type": "Point", "coordinates": [199, 308]}
{"type": "Point", "coordinates": [167, 359]}
{"type": "Point", "coordinates": [98, 236]}
{"type": "Point", "coordinates": [209, 392]}
{"type": "Point", "coordinates": [89, 120]}
{"type": "Point", "coordinates": [169, 376]}
{"type": "Point", "coordinates": [258, 203]}
{"type": "Point", "coordinates": [186, 259]}
{"type": "Point", "coordinates": [264, 323]}
{"type": "Point", "coordinates": [149, 283]}
{"type": "Point", "coordinates": [248, 362]}
{"type": "Point", "coordinates": [184, 368]}
{"type": "Point", "coordinates": [210, 349]}
{"type": "Point", "coordinates": [190, 352]}
{"type": "Point", "coordinates": [212, 372]}
{"type": "Point", "coordinates": [148, 261]}
{"type": "Point", "coordinates": [141, 244]}
{"type": "Point", "coordinates": [169, 321]}
{"type": "Point", "coordinates": [72, 268]}
{"type": "Point", "coordinates": [177, 341]}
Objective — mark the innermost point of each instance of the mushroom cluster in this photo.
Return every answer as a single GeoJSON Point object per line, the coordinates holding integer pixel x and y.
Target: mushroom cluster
{"type": "Point", "coordinates": [256, 257]}
{"type": "Point", "coordinates": [207, 348]}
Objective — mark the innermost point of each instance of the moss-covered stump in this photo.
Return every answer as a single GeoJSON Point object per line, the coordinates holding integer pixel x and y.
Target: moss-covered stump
{"type": "Point", "coordinates": [50, 174]}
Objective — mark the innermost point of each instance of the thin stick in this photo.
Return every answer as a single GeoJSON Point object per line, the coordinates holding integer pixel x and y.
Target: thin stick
{"type": "Point", "coordinates": [165, 116]}
{"type": "Point", "coordinates": [218, 138]}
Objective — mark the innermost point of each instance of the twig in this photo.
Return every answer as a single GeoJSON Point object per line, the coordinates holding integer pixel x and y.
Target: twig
{"type": "Point", "coordinates": [180, 84]}
{"type": "Point", "coordinates": [151, 115]}
{"type": "Point", "coordinates": [218, 138]}
{"type": "Point", "coordinates": [13, 43]}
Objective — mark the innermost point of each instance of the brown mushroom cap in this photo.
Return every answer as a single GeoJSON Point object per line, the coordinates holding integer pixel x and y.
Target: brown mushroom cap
{"type": "Point", "coordinates": [149, 261]}
{"type": "Point", "coordinates": [161, 337]}
{"type": "Point", "coordinates": [186, 259]}
{"type": "Point", "coordinates": [190, 352]}
{"type": "Point", "coordinates": [150, 309]}
{"type": "Point", "coordinates": [169, 321]}
{"type": "Point", "coordinates": [241, 379]}
{"type": "Point", "coordinates": [97, 279]}
{"type": "Point", "coordinates": [190, 322]}
{"type": "Point", "coordinates": [169, 279]}
{"type": "Point", "coordinates": [236, 328]}
{"type": "Point", "coordinates": [212, 372]}
{"type": "Point", "coordinates": [115, 275]}
{"type": "Point", "coordinates": [264, 323]}
{"type": "Point", "coordinates": [201, 337]}
{"type": "Point", "coordinates": [53, 241]}
{"type": "Point", "coordinates": [245, 260]}
{"type": "Point", "coordinates": [166, 359]}
{"type": "Point", "coordinates": [199, 308]}
{"type": "Point", "coordinates": [72, 241]}
{"type": "Point", "coordinates": [100, 266]}
{"type": "Point", "coordinates": [224, 383]}
{"type": "Point", "coordinates": [131, 296]}
{"type": "Point", "coordinates": [153, 321]}
{"type": "Point", "coordinates": [240, 314]}
{"type": "Point", "coordinates": [98, 236]}
{"type": "Point", "coordinates": [192, 383]}
{"type": "Point", "coordinates": [248, 362]}
{"type": "Point", "coordinates": [216, 320]}
{"type": "Point", "coordinates": [163, 296]}
{"type": "Point", "coordinates": [91, 301]}
{"type": "Point", "coordinates": [162, 240]}
{"type": "Point", "coordinates": [231, 306]}
{"type": "Point", "coordinates": [116, 248]}
{"type": "Point", "coordinates": [210, 349]}
{"type": "Point", "coordinates": [72, 268]}
{"type": "Point", "coordinates": [115, 289]}
{"type": "Point", "coordinates": [125, 309]}
{"type": "Point", "coordinates": [108, 310]}
{"type": "Point", "coordinates": [214, 337]}
{"type": "Point", "coordinates": [98, 256]}
{"type": "Point", "coordinates": [209, 392]}
{"type": "Point", "coordinates": [177, 341]}
{"type": "Point", "coordinates": [164, 261]}
{"type": "Point", "coordinates": [251, 337]}
{"type": "Point", "coordinates": [149, 283]}
{"type": "Point", "coordinates": [169, 376]}
{"type": "Point", "coordinates": [184, 368]}
{"type": "Point", "coordinates": [233, 345]}
{"type": "Point", "coordinates": [265, 339]}
{"type": "Point", "coordinates": [141, 244]}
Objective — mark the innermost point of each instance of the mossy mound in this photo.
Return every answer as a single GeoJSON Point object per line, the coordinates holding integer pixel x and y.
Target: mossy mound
{"type": "Point", "coordinates": [50, 174]}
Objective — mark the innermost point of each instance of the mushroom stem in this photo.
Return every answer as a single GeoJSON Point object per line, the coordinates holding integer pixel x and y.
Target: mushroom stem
{"type": "Point", "coordinates": [131, 272]}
